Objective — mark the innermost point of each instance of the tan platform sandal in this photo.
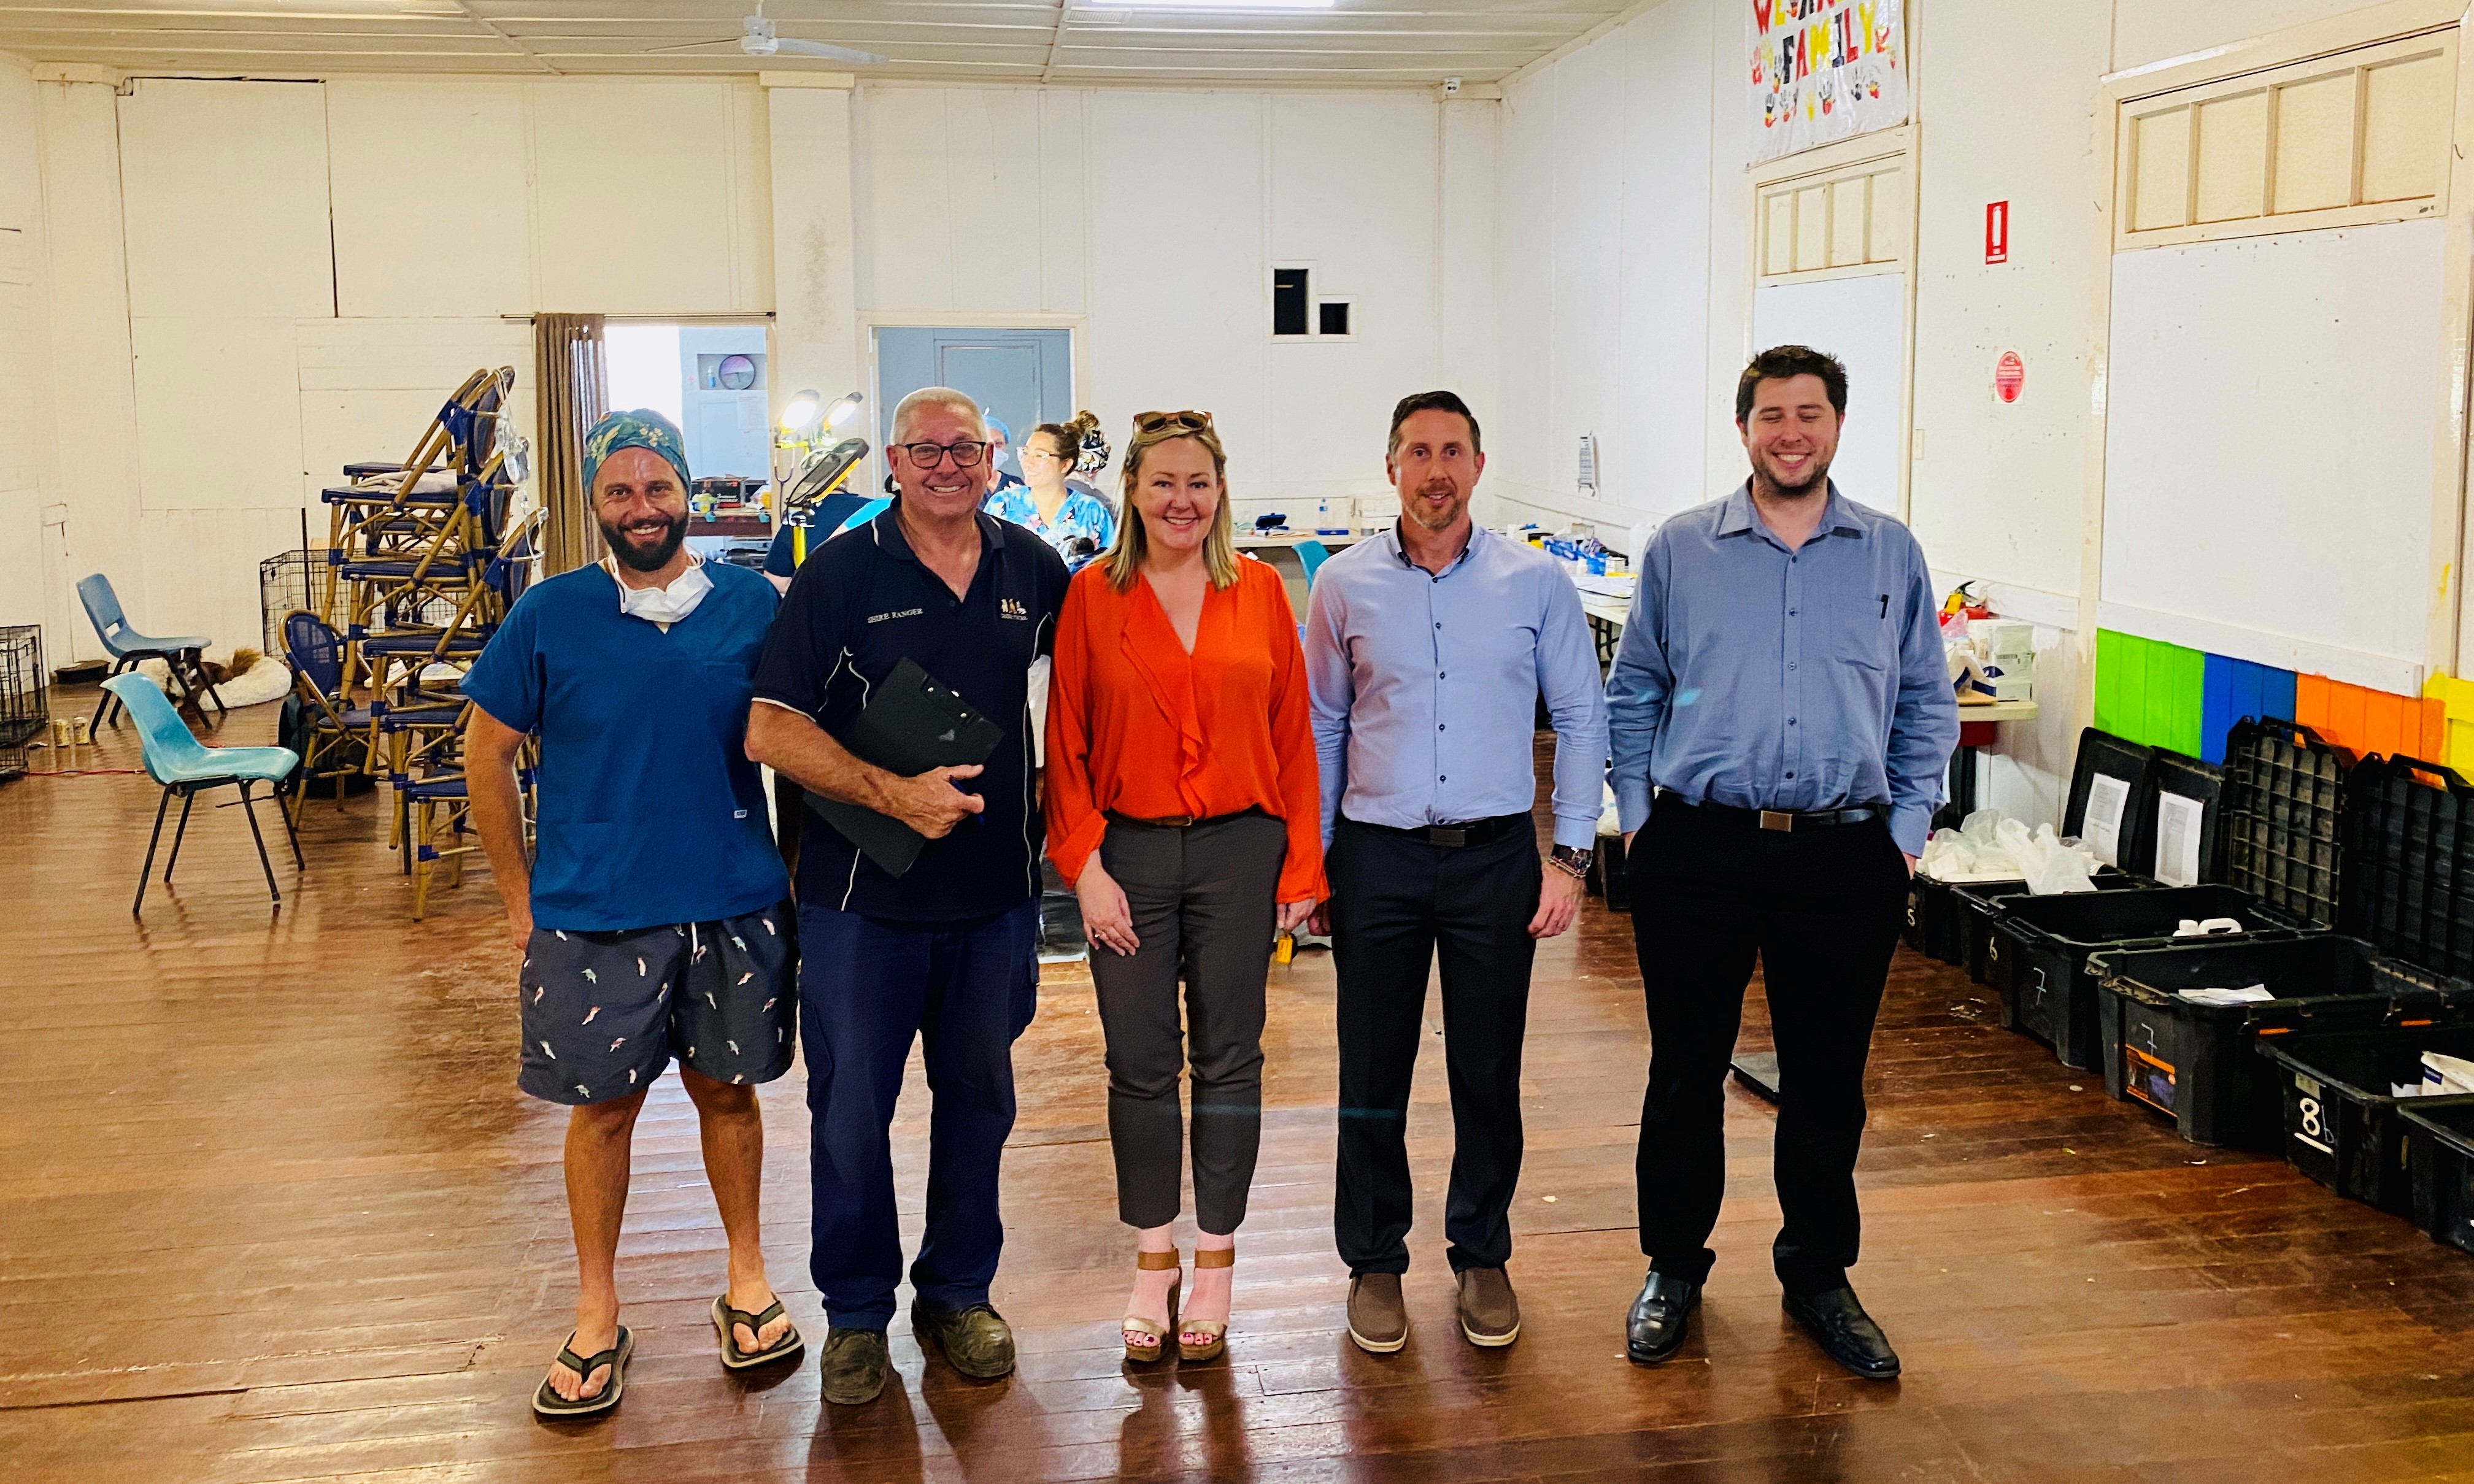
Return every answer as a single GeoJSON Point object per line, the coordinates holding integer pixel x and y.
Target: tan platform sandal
{"type": "Point", "coordinates": [1135, 1325]}
{"type": "Point", "coordinates": [1217, 1344]}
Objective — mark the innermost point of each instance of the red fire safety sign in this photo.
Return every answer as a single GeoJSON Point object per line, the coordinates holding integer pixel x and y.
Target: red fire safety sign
{"type": "Point", "coordinates": [1997, 232]}
{"type": "Point", "coordinates": [2009, 376]}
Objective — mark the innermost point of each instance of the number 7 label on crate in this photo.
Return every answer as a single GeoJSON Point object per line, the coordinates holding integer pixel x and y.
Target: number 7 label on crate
{"type": "Point", "coordinates": [2101, 830]}
{"type": "Point", "coordinates": [2177, 839]}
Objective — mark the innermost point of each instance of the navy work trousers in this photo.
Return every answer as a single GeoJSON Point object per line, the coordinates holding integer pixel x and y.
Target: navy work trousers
{"type": "Point", "coordinates": [868, 988]}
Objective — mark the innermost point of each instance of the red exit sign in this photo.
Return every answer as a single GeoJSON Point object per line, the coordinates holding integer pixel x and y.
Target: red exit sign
{"type": "Point", "coordinates": [1997, 232]}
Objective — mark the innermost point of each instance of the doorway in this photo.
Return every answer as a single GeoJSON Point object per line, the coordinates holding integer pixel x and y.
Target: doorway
{"type": "Point", "coordinates": [1024, 376]}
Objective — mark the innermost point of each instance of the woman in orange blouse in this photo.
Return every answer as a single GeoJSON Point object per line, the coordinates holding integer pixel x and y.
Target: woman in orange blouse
{"type": "Point", "coordinates": [1182, 805]}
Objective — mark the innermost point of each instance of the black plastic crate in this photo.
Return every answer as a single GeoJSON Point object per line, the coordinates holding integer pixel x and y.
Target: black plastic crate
{"type": "Point", "coordinates": [2104, 761]}
{"type": "Point", "coordinates": [1982, 903]}
{"type": "Point", "coordinates": [2282, 795]}
{"type": "Point", "coordinates": [2038, 960]}
{"type": "Point", "coordinates": [2181, 822]}
{"type": "Point", "coordinates": [2341, 1121]}
{"type": "Point", "coordinates": [2194, 1062]}
{"type": "Point", "coordinates": [2439, 1166]}
{"type": "Point", "coordinates": [2407, 843]}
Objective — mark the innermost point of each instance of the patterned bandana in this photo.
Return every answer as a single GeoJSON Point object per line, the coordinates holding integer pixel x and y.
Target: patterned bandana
{"type": "Point", "coordinates": [642, 428]}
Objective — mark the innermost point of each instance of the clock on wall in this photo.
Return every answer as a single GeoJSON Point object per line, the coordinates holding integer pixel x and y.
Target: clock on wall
{"type": "Point", "coordinates": [735, 373]}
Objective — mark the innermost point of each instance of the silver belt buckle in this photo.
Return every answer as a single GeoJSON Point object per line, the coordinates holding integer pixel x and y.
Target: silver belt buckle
{"type": "Point", "coordinates": [1777, 819]}
{"type": "Point", "coordinates": [1438, 834]}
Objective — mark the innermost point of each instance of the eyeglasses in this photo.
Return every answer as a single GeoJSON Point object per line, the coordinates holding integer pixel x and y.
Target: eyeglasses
{"type": "Point", "coordinates": [927, 455]}
{"type": "Point", "coordinates": [1154, 422]}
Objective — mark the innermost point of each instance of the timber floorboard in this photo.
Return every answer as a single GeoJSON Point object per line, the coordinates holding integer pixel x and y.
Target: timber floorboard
{"type": "Point", "coordinates": [271, 1208]}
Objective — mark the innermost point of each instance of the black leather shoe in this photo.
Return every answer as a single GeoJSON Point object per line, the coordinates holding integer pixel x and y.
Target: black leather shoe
{"type": "Point", "coordinates": [1839, 1322]}
{"type": "Point", "coordinates": [1660, 1319]}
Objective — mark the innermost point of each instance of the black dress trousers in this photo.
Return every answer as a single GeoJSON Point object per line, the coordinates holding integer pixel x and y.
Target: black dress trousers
{"type": "Point", "coordinates": [1821, 908]}
{"type": "Point", "coordinates": [1397, 904]}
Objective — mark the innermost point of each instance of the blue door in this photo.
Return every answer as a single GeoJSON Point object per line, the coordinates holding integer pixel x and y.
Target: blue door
{"type": "Point", "coordinates": [1024, 376]}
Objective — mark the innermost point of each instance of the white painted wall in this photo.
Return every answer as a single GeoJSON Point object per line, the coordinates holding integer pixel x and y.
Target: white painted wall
{"type": "Point", "coordinates": [1619, 255]}
{"type": "Point", "coordinates": [1148, 222]}
{"type": "Point", "coordinates": [31, 588]}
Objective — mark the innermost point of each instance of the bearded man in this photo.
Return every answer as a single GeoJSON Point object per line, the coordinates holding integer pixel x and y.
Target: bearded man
{"type": "Point", "coordinates": [1427, 648]}
{"type": "Point", "coordinates": [654, 919]}
{"type": "Point", "coordinates": [1782, 714]}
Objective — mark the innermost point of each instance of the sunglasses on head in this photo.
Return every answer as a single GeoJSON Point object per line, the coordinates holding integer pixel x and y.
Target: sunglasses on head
{"type": "Point", "coordinates": [1154, 422]}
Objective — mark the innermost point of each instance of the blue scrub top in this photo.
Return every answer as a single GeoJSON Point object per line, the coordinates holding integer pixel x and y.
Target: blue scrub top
{"type": "Point", "coordinates": [651, 811]}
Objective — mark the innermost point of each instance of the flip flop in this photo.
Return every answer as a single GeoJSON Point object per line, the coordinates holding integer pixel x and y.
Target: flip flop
{"type": "Point", "coordinates": [547, 1402]}
{"type": "Point", "coordinates": [737, 1360]}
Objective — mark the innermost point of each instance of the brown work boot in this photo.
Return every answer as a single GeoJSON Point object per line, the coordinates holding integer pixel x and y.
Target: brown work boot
{"type": "Point", "coordinates": [1490, 1311]}
{"type": "Point", "coordinates": [976, 1339]}
{"type": "Point", "coordinates": [853, 1366]}
{"type": "Point", "coordinates": [1377, 1320]}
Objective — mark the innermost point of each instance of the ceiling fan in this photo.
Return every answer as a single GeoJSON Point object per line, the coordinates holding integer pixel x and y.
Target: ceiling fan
{"type": "Point", "coordinates": [757, 39]}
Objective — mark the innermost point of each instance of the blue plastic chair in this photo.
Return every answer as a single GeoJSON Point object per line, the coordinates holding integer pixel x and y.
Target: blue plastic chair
{"type": "Point", "coordinates": [1311, 556]}
{"type": "Point", "coordinates": [186, 767]}
{"type": "Point", "coordinates": [181, 653]}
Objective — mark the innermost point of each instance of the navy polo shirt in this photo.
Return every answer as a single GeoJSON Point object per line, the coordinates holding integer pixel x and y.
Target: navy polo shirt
{"type": "Point", "coordinates": [863, 603]}
{"type": "Point", "coordinates": [651, 811]}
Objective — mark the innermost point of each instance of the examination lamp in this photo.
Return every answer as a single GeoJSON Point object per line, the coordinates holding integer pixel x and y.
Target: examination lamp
{"type": "Point", "coordinates": [801, 411]}
{"type": "Point", "coordinates": [842, 410]}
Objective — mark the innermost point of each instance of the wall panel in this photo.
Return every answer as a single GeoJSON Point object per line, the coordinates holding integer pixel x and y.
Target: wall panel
{"type": "Point", "coordinates": [637, 198]}
{"type": "Point", "coordinates": [223, 185]}
{"type": "Point", "coordinates": [430, 197]}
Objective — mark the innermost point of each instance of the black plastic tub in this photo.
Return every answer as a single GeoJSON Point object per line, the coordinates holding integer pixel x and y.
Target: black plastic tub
{"type": "Point", "coordinates": [2194, 1062]}
{"type": "Point", "coordinates": [2036, 959]}
{"type": "Point", "coordinates": [2342, 1126]}
{"type": "Point", "coordinates": [1981, 903]}
{"type": "Point", "coordinates": [2439, 1162]}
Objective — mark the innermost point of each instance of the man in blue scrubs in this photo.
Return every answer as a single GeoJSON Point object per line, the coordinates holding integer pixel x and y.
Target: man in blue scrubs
{"type": "Point", "coordinates": [653, 922]}
{"type": "Point", "coordinates": [1780, 713]}
{"type": "Point", "coordinates": [943, 952]}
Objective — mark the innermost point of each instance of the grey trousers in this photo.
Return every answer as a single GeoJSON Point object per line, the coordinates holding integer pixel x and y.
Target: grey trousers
{"type": "Point", "coordinates": [1200, 898]}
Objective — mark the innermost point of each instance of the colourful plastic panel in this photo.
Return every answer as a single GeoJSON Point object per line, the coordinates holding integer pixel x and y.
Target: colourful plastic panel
{"type": "Point", "coordinates": [2455, 698]}
{"type": "Point", "coordinates": [2369, 721]}
{"type": "Point", "coordinates": [2235, 688]}
{"type": "Point", "coordinates": [2150, 692]}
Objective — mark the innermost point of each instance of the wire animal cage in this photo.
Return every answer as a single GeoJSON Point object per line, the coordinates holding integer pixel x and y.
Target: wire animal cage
{"type": "Point", "coordinates": [286, 581]}
{"type": "Point", "coordinates": [25, 694]}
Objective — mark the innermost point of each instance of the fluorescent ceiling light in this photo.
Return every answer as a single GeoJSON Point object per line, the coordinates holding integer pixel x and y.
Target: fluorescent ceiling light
{"type": "Point", "coordinates": [1206, 5]}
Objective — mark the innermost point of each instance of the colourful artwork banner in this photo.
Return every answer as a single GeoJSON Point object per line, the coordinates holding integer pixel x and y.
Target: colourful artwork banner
{"type": "Point", "coordinates": [1825, 70]}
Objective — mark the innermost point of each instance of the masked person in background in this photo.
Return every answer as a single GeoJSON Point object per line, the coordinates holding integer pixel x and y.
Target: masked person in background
{"type": "Point", "coordinates": [653, 922]}
{"type": "Point", "coordinates": [1058, 509]}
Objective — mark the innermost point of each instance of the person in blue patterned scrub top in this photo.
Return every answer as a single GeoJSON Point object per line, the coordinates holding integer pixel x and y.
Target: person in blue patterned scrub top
{"type": "Point", "coordinates": [1075, 519]}
{"type": "Point", "coordinates": [653, 916]}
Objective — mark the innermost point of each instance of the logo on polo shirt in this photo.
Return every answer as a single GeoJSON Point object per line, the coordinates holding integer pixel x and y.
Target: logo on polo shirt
{"type": "Point", "coordinates": [1012, 608]}
{"type": "Point", "coordinates": [899, 612]}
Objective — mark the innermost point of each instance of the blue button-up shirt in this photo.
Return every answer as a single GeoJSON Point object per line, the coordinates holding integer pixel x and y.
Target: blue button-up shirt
{"type": "Point", "coordinates": [1426, 687]}
{"type": "Point", "coordinates": [1762, 679]}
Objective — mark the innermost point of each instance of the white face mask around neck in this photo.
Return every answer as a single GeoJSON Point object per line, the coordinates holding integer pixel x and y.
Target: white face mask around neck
{"type": "Point", "coordinates": [663, 606]}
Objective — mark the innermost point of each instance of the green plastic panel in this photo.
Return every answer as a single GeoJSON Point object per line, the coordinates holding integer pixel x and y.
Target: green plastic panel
{"type": "Point", "coordinates": [2150, 692]}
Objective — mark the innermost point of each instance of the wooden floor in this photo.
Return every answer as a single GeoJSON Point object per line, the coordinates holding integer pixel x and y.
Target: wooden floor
{"type": "Point", "coordinates": [271, 1208]}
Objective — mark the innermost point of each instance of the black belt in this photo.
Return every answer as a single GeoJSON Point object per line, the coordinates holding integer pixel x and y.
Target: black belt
{"type": "Point", "coordinates": [1471, 832]}
{"type": "Point", "coordinates": [1182, 821]}
{"type": "Point", "coordinates": [1779, 819]}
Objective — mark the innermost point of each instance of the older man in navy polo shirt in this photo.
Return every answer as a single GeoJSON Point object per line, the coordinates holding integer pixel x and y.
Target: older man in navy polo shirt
{"type": "Point", "coordinates": [1780, 714]}
{"type": "Point", "coordinates": [944, 952]}
{"type": "Point", "coordinates": [653, 921]}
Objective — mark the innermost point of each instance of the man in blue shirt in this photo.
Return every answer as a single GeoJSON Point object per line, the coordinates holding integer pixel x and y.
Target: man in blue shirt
{"type": "Point", "coordinates": [654, 921]}
{"type": "Point", "coordinates": [944, 952]}
{"type": "Point", "coordinates": [804, 531]}
{"type": "Point", "coordinates": [1427, 647]}
{"type": "Point", "coordinates": [1790, 804]}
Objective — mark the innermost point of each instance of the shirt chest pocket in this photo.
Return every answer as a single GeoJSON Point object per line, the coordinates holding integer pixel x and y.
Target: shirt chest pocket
{"type": "Point", "coordinates": [1862, 630]}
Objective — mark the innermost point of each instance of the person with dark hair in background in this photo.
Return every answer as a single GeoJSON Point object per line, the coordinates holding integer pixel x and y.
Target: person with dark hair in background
{"type": "Point", "coordinates": [1781, 717]}
{"type": "Point", "coordinates": [1068, 515]}
{"type": "Point", "coordinates": [1428, 647]}
{"type": "Point", "coordinates": [1182, 807]}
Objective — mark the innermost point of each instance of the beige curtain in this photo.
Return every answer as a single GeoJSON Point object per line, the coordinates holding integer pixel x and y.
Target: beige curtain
{"type": "Point", "coordinates": [574, 392]}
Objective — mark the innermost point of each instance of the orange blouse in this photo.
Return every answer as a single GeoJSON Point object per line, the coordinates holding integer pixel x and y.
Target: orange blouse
{"type": "Point", "coordinates": [1137, 725]}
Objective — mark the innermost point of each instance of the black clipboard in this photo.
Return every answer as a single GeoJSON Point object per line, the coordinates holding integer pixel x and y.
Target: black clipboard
{"type": "Point", "coordinates": [910, 724]}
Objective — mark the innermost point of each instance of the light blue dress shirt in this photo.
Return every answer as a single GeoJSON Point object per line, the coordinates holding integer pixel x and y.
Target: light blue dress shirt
{"type": "Point", "coordinates": [1757, 677]}
{"type": "Point", "coordinates": [1426, 687]}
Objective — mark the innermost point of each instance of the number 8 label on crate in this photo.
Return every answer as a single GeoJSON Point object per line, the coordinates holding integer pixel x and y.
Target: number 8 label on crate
{"type": "Point", "coordinates": [2311, 1117]}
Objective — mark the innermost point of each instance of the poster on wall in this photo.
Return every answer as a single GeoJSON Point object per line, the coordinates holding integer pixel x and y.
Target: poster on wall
{"type": "Point", "coordinates": [1825, 70]}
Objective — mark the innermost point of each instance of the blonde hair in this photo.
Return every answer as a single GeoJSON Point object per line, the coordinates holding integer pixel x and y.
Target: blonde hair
{"type": "Point", "coordinates": [1132, 549]}
{"type": "Point", "coordinates": [939, 397]}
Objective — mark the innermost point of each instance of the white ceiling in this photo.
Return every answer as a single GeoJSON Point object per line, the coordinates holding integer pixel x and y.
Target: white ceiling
{"type": "Point", "coordinates": [1357, 41]}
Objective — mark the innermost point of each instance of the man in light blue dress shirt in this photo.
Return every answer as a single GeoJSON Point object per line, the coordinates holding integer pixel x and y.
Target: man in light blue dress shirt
{"type": "Point", "coordinates": [1427, 649]}
{"type": "Point", "coordinates": [1781, 689]}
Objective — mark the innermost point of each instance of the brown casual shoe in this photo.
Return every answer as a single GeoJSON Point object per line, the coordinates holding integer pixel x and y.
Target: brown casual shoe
{"type": "Point", "coordinates": [1490, 1311]}
{"type": "Point", "coordinates": [1377, 1320]}
{"type": "Point", "coordinates": [976, 1340]}
{"type": "Point", "coordinates": [853, 1366]}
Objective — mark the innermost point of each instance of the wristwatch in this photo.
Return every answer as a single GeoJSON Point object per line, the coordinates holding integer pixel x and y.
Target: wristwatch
{"type": "Point", "coordinates": [1572, 862]}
